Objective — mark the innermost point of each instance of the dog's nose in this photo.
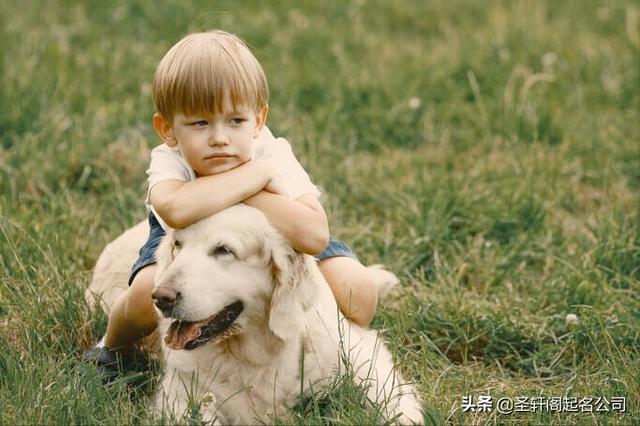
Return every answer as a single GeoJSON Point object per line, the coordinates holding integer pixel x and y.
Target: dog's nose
{"type": "Point", "coordinates": [165, 298]}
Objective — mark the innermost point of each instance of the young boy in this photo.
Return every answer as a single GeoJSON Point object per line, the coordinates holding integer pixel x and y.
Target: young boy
{"type": "Point", "coordinates": [211, 96]}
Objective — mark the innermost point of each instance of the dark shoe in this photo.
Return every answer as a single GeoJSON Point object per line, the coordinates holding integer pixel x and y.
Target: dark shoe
{"type": "Point", "coordinates": [111, 364]}
{"type": "Point", "coordinates": [108, 363]}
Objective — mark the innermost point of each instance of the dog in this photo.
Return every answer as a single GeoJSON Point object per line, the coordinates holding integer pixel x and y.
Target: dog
{"type": "Point", "coordinates": [248, 325]}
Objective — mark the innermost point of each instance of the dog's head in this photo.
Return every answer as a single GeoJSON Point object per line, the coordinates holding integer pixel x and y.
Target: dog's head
{"type": "Point", "coordinates": [227, 272]}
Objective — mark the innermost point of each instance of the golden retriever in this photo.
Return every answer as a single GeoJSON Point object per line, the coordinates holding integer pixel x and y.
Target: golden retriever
{"type": "Point", "coordinates": [247, 323]}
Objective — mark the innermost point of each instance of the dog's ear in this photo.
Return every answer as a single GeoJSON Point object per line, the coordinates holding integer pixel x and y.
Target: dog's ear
{"type": "Point", "coordinates": [293, 291]}
{"type": "Point", "coordinates": [164, 252]}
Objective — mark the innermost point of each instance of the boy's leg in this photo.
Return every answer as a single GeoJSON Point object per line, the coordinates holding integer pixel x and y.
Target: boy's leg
{"type": "Point", "coordinates": [132, 317]}
{"type": "Point", "coordinates": [352, 286]}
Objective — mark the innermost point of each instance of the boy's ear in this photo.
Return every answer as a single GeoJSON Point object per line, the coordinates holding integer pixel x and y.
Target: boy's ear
{"type": "Point", "coordinates": [261, 118]}
{"type": "Point", "coordinates": [164, 129]}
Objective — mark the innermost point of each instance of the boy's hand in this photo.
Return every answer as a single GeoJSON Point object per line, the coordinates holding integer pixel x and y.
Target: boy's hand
{"type": "Point", "coordinates": [277, 186]}
{"type": "Point", "coordinates": [277, 181]}
{"type": "Point", "coordinates": [302, 221]}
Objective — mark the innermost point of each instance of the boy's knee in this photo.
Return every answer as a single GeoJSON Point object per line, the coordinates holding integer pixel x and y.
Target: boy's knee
{"type": "Point", "coordinates": [353, 287]}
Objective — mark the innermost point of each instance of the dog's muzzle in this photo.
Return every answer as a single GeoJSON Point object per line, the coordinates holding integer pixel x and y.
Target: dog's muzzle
{"type": "Point", "coordinates": [193, 334]}
{"type": "Point", "coordinates": [165, 298]}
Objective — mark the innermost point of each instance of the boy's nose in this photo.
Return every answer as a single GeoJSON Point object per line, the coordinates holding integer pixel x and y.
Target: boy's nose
{"type": "Point", "coordinates": [218, 136]}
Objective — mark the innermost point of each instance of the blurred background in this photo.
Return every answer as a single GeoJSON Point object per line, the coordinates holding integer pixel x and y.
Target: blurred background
{"type": "Point", "coordinates": [487, 152]}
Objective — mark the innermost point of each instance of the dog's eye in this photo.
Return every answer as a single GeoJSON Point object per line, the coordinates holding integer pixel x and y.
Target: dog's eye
{"type": "Point", "coordinates": [221, 250]}
{"type": "Point", "coordinates": [177, 245]}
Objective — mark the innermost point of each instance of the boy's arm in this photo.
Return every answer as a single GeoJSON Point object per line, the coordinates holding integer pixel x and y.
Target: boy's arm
{"type": "Point", "coordinates": [302, 221]}
{"type": "Point", "coordinates": [181, 204]}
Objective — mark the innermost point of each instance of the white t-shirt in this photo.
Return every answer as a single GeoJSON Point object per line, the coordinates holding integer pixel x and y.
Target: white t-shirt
{"type": "Point", "coordinates": [168, 163]}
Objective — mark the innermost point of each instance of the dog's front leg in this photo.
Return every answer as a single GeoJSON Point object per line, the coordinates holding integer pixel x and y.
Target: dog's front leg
{"type": "Point", "coordinates": [374, 368]}
{"type": "Point", "coordinates": [179, 397]}
{"type": "Point", "coordinates": [171, 399]}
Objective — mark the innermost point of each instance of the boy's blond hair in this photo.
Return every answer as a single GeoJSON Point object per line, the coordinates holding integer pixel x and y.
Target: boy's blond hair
{"type": "Point", "coordinates": [200, 70]}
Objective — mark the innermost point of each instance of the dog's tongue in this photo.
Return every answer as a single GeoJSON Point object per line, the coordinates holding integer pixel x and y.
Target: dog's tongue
{"type": "Point", "coordinates": [181, 333]}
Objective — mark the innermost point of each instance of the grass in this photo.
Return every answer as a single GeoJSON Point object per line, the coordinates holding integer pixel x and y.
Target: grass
{"type": "Point", "coordinates": [485, 151]}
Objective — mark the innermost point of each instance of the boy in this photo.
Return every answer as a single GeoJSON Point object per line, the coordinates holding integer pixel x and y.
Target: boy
{"type": "Point", "coordinates": [211, 96]}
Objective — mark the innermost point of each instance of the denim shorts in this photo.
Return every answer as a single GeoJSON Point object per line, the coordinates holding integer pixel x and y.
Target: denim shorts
{"type": "Point", "coordinates": [147, 254]}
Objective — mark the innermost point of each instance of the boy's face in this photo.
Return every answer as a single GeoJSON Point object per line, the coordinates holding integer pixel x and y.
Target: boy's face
{"type": "Point", "coordinates": [213, 143]}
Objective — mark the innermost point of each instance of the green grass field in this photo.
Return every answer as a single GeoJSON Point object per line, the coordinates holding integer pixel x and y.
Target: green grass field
{"type": "Point", "coordinates": [487, 152]}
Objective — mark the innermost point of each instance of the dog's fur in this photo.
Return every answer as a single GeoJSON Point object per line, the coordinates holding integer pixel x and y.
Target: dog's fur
{"type": "Point", "coordinates": [290, 335]}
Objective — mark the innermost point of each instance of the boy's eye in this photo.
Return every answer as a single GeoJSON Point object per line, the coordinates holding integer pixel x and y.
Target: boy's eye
{"type": "Point", "coordinates": [199, 123]}
{"type": "Point", "coordinates": [237, 120]}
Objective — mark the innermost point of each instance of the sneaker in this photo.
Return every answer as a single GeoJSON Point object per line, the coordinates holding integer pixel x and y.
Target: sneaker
{"type": "Point", "coordinates": [111, 364]}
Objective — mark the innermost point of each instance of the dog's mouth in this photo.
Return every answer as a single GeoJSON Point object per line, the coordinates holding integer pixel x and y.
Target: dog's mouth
{"type": "Point", "coordinates": [190, 335]}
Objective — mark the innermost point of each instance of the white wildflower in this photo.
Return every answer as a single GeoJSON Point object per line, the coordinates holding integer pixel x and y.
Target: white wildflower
{"type": "Point", "coordinates": [208, 399]}
{"type": "Point", "coordinates": [415, 102]}
{"type": "Point", "coordinates": [571, 319]}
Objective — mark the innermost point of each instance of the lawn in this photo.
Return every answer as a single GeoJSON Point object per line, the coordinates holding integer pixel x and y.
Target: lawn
{"type": "Point", "coordinates": [487, 152]}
